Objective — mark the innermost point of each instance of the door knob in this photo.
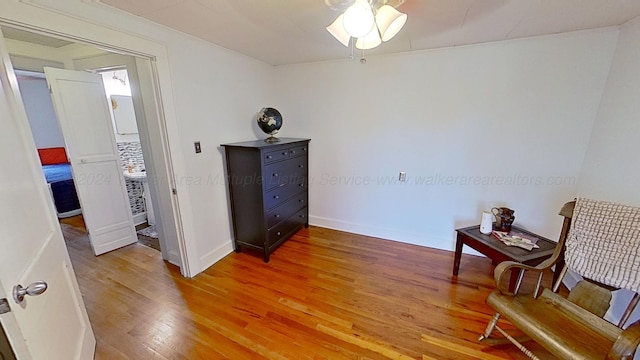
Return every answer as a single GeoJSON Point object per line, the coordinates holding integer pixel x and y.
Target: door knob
{"type": "Point", "coordinates": [35, 288]}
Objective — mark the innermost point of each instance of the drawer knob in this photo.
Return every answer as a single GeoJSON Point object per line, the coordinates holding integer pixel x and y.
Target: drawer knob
{"type": "Point", "coordinates": [277, 215]}
{"type": "Point", "coordinates": [301, 166]}
{"type": "Point", "coordinates": [278, 233]}
{"type": "Point", "coordinates": [275, 174]}
{"type": "Point", "coordinates": [301, 216]}
{"type": "Point", "coordinates": [269, 157]}
{"type": "Point", "coordinates": [304, 149]}
{"type": "Point", "coordinates": [276, 197]}
{"type": "Point", "coordinates": [301, 185]}
{"type": "Point", "coordinates": [301, 200]}
{"type": "Point", "coordinates": [284, 153]}
{"type": "Point", "coordinates": [293, 152]}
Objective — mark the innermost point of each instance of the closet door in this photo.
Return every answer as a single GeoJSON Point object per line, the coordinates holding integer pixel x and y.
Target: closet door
{"type": "Point", "coordinates": [82, 110]}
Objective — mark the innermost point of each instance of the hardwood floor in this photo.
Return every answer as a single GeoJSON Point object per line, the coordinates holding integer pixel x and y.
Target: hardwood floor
{"type": "Point", "coordinates": [324, 295]}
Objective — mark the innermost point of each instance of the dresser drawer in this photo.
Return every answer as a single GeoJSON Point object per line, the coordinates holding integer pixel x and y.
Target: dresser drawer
{"type": "Point", "coordinates": [287, 227]}
{"type": "Point", "coordinates": [299, 151]}
{"type": "Point", "coordinates": [284, 172]}
{"type": "Point", "coordinates": [286, 209]}
{"type": "Point", "coordinates": [277, 155]}
{"type": "Point", "coordinates": [280, 194]}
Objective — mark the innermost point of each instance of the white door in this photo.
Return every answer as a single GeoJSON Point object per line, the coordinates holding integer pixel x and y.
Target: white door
{"type": "Point", "coordinates": [81, 106]}
{"type": "Point", "coordinates": [53, 325]}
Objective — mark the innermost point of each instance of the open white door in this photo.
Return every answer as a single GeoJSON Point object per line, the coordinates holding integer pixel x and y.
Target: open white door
{"type": "Point", "coordinates": [81, 106]}
{"type": "Point", "coordinates": [53, 325]}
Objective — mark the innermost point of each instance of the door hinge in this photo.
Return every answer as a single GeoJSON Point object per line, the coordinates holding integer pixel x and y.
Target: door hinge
{"type": "Point", "coordinates": [4, 306]}
{"type": "Point", "coordinates": [174, 191]}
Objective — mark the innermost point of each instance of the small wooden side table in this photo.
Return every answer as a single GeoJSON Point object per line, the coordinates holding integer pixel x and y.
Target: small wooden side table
{"type": "Point", "coordinates": [498, 252]}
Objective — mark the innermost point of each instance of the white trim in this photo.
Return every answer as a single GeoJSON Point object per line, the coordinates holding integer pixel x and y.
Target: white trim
{"type": "Point", "coordinates": [139, 218]}
{"type": "Point", "coordinates": [379, 232]}
{"type": "Point", "coordinates": [69, 213]}
{"type": "Point", "coordinates": [174, 258]}
{"type": "Point", "coordinates": [216, 255]}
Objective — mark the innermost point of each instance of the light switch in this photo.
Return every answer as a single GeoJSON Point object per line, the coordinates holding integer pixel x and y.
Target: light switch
{"type": "Point", "coordinates": [197, 146]}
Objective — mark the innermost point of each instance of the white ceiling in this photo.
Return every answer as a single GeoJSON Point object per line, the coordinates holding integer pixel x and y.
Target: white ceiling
{"type": "Point", "coordinates": [293, 31]}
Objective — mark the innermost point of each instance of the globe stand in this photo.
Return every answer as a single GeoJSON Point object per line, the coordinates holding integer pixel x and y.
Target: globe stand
{"type": "Point", "coordinates": [271, 140]}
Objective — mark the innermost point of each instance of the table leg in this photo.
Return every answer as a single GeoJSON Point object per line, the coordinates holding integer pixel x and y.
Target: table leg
{"type": "Point", "coordinates": [458, 255]}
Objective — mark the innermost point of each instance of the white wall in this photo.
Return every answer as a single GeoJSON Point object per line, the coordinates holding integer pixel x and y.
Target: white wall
{"type": "Point", "coordinates": [39, 108]}
{"type": "Point", "coordinates": [611, 169]}
{"type": "Point", "coordinates": [504, 123]}
{"type": "Point", "coordinates": [218, 95]}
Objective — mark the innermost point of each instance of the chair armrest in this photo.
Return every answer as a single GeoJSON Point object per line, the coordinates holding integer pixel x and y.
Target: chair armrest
{"type": "Point", "coordinates": [625, 346]}
{"type": "Point", "coordinates": [505, 267]}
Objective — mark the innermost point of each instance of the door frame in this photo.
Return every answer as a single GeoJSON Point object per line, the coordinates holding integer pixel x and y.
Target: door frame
{"type": "Point", "coordinates": [166, 124]}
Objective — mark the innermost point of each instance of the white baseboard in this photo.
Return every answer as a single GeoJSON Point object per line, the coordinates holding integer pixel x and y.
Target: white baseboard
{"type": "Point", "coordinates": [139, 218]}
{"type": "Point", "coordinates": [174, 258]}
{"type": "Point", "coordinates": [69, 213]}
{"type": "Point", "coordinates": [215, 255]}
{"type": "Point", "coordinates": [407, 237]}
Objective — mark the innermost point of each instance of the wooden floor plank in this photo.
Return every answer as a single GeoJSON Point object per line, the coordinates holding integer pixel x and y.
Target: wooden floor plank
{"type": "Point", "coordinates": [324, 295]}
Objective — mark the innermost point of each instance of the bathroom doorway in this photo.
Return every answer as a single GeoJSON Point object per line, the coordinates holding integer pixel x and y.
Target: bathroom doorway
{"type": "Point", "coordinates": [118, 91]}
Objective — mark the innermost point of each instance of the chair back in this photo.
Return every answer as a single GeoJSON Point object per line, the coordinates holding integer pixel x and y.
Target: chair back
{"type": "Point", "coordinates": [603, 243]}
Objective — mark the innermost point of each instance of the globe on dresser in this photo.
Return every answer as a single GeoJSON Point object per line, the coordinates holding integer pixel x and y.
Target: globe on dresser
{"type": "Point", "coordinates": [270, 122]}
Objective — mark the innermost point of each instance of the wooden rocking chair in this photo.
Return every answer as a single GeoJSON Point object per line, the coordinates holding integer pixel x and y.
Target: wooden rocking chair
{"type": "Point", "coordinates": [599, 241]}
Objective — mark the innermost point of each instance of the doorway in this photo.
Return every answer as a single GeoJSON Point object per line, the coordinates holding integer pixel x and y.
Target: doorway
{"type": "Point", "coordinates": [6, 352]}
{"type": "Point", "coordinates": [98, 60]}
{"type": "Point", "coordinates": [117, 84]}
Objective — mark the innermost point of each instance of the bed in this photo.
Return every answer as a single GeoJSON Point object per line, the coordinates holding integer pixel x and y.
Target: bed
{"type": "Point", "coordinates": [57, 172]}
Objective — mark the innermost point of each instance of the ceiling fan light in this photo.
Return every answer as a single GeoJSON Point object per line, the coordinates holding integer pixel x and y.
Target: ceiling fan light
{"type": "Point", "coordinates": [358, 19]}
{"type": "Point", "coordinates": [337, 30]}
{"type": "Point", "coordinates": [390, 21]}
{"type": "Point", "coordinates": [369, 41]}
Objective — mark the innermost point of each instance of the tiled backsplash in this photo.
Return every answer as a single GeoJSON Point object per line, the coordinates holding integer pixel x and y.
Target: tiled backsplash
{"type": "Point", "coordinates": [131, 153]}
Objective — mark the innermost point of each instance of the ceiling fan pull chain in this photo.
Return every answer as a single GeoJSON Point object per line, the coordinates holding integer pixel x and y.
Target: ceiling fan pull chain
{"type": "Point", "coordinates": [353, 43]}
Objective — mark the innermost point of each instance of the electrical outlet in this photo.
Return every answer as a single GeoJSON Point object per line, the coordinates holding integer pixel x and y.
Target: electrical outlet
{"type": "Point", "coordinates": [403, 176]}
{"type": "Point", "coordinates": [198, 147]}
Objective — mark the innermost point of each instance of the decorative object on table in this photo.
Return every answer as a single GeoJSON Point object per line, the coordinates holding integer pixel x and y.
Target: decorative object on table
{"type": "Point", "coordinates": [486, 224]}
{"type": "Point", "coordinates": [270, 122]}
{"type": "Point", "coordinates": [518, 239]}
{"type": "Point", "coordinates": [504, 218]}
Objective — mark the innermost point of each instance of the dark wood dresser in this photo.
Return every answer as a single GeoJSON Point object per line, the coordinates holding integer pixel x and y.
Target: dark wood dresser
{"type": "Point", "coordinates": [268, 188]}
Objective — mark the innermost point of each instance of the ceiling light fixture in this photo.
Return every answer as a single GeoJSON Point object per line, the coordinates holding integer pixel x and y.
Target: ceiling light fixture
{"type": "Point", "coordinates": [368, 22]}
